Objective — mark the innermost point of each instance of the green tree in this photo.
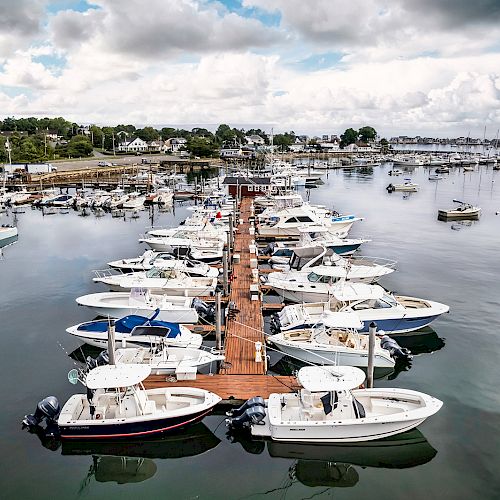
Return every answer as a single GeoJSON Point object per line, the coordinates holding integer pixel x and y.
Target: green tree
{"type": "Point", "coordinates": [148, 134]}
{"type": "Point", "coordinates": [224, 133]}
{"type": "Point", "coordinates": [78, 146]}
{"type": "Point", "coordinates": [168, 133]}
{"type": "Point", "coordinates": [350, 136]}
{"type": "Point", "coordinates": [200, 146]}
{"type": "Point", "coordinates": [367, 134]}
{"type": "Point", "coordinates": [283, 141]}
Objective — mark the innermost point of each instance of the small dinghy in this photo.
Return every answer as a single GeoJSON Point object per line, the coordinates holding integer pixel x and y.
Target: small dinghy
{"type": "Point", "coordinates": [462, 211]}
{"type": "Point", "coordinates": [435, 177]}
{"type": "Point", "coordinates": [329, 409]}
{"type": "Point", "coordinates": [116, 405]}
{"type": "Point", "coordinates": [136, 331]}
{"type": "Point", "coordinates": [407, 186]}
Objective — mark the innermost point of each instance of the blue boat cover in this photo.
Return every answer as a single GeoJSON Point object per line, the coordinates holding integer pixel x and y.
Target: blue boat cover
{"type": "Point", "coordinates": [128, 323]}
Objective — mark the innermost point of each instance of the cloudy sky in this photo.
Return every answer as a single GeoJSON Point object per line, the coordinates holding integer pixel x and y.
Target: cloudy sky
{"type": "Point", "coordinates": [429, 67]}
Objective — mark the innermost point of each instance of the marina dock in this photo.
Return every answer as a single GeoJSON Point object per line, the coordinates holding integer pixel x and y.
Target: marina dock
{"type": "Point", "coordinates": [240, 376]}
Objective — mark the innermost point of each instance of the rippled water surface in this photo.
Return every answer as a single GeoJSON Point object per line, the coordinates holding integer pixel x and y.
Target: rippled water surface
{"type": "Point", "coordinates": [456, 454]}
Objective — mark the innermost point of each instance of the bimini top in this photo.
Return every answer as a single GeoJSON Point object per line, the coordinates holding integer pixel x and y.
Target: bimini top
{"type": "Point", "coordinates": [341, 320]}
{"type": "Point", "coordinates": [330, 378]}
{"type": "Point", "coordinates": [358, 291]}
{"type": "Point", "coordinates": [113, 376]}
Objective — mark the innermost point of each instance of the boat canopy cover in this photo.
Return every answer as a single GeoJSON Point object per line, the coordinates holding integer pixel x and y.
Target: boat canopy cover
{"type": "Point", "coordinates": [330, 378]}
{"type": "Point", "coordinates": [128, 323]}
{"type": "Point", "coordinates": [308, 251]}
{"type": "Point", "coordinates": [112, 376]}
{"type": "Point", "coordinates": [358, 291]}
{"type": "Point", "coordinates": [341, 320]}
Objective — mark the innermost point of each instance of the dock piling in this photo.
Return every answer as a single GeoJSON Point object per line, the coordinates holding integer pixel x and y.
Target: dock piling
{"type": "Point", "coordinates": [111, 341]}
{"type": "Point", "coordinates": [218, 329]}
{"type": "Point", "coordinates": [371, 354]}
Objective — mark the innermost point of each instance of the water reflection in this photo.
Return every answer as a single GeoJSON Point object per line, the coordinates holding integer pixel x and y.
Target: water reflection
{"type": "Point", "coordinates": [131, 461]}
{"type": "Point", "coordinates": [333, 465]}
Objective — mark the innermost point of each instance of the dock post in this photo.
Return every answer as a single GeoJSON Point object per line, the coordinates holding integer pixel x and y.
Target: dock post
{"type": "Point", "coordinates": [371, 354]}
{"type": "Point", "coordinates": [225, 272]}
{"type": "Point", "coordinates": [218, 330]}
{"type": "Point", "coordinates": [111, 341]}
{"type": "Point", "coordinates": [231, 233]}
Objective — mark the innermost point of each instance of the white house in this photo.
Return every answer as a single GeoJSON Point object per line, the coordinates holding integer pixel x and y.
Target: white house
{"type": "Point", "coordinates": [133, 145]}
{"type": "Point", "coordinates": [329, 146]}
{"type": "Point", "coordinates": [297, 147]}
{"type": "Point", "coordinates": [155, 145]}
{"type": "Point", "coordinates": [174, 144]}
{"type": "Point", "coordinates": [254, 140]}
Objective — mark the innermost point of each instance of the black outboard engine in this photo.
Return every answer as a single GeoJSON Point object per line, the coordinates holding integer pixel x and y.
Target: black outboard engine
{"type": "Point", "coordinates": [205, 311]}
{"type": "Point", "coordinates": [390, 188]}
{"type": "Point", "coordinates": [101, 360]}
{"type": "Point", "coordinates": [275, 324]}
{"type": "Point", "coordinates": [47, 409]}
{"type": "Point", "coordinates": [269, 250]}
{"type": "Point", "coordinates": [395, 350]}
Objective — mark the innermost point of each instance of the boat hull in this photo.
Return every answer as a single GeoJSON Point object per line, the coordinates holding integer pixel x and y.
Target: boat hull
{"type": "Point", "coordinates": [338, 358]}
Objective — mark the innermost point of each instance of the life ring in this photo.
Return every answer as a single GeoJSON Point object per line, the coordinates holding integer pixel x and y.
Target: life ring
{"type": "Point", "coordinates": [98, 416]}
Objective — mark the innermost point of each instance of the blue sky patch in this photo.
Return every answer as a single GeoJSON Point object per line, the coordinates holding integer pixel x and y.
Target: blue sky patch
{"type": "Point", "coordinates": [76, 5]}
{"type": "Point", "coordinates": [15, 91]}
{"type": "Point", "coordinates": [265, 17]}
{"type": "Point", "coordinates": [317, 62]}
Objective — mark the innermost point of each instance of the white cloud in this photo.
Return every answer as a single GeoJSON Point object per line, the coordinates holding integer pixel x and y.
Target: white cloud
{"type": "Point", "coordinates": [187, 61]}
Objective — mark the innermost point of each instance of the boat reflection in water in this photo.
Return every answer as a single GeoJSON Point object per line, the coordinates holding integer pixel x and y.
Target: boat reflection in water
{"type": "Point", "coordinates": [335, 465]}
{"type": "Point", "coordinates": [130, 461]}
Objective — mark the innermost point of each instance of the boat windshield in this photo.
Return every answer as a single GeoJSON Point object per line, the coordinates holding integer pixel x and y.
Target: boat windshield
{"type": "Point", "coordinates": [313, 277]}
{"type": "Point", "coordinates": [390, 300]}
{"type": "Point", "coordinates": [154, 272]}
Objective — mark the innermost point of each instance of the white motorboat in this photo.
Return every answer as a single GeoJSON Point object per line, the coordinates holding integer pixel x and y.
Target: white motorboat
{"type": "Point", "coordinates": [407, 161]}
{"type": "Point", "coordinates": [329, 409]}
{"type": "Point", "coordinates": [135, 200]}
{"type": "Point", "coordinates": [292, 221]}
{"type": "Point", "coordinates": [462, 211]}
{"type": "Point", "coordinates": [182, 244]}
{"type": "Point", "coordinates": [169, 281]}
{"type": "Point", "coordinates": [136, 331]}
{"type": "Point", "coordinates": [435, 177]}
{"type": "Point", "coordinates": [318, 283]}
{"type": "Point", "coordinates": [116, 200]}
{"type": "Point", "coordinates": [7, 234]}
{"type": "Point", "coordinates": [167, 360]}
{"type": "Point", "coordinates": [314, 256]}
{"type": "Point", "coordinates": [18, 197]}
{"type": "Point", "coordinates": [99, 199]}
{"type": "Point", "coordinates": [332, 343]}
{"type": "Point", "coordinates": [116, 405]}
{"type": "Point", "coordinates": [63, 200]}
{"type": "Point", "coordinates": [407, 186]}
{"type": "Point", "coordinates": [140, 301]}
{"type": "Point", "coordinates": [163, 260]}
{"type": "Point", "coordinates": [394, 314]}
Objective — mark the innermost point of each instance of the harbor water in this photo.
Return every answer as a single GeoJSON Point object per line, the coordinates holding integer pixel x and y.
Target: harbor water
{"type": "Point", "coordinates": [455, 454]}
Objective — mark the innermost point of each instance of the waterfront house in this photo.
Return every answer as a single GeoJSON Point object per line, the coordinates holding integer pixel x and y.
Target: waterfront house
{"type": "Point", "coordinates": [133, 145]}
{"type": "Point", "coordinates": [174, 144]}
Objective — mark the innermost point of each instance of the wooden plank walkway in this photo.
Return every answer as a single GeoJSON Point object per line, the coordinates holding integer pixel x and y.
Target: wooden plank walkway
{"type": "Point", "coordinates": [231, 387]}
{"type": "Point", "coordinates": [246, 328]}
{"type": "Point", "coordinates": [240, 377]}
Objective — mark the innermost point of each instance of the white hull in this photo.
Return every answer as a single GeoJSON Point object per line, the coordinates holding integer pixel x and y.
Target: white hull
{"type": "Point", "coordinates": [117, 305]}
{"type": "Point", "coordinates": [340, 357]}
{"type": "Point", "coordinates": [388, 412]}
{"type": "Point", "coordinates": [7, 233]}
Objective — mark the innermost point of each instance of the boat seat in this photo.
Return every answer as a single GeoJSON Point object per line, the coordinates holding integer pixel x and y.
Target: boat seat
{"type": "Point", "coordinates": [150, 407]}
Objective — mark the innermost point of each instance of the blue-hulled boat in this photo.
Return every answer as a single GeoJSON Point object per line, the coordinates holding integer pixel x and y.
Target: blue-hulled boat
{"type": "Point", "coordinates": [136, 331]}
{"type": "Point", "coordinates": [395, 314]}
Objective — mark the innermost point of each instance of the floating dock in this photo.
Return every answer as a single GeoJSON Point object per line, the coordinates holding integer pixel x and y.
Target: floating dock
{"type": "Point", "coordinates": [241, 376]}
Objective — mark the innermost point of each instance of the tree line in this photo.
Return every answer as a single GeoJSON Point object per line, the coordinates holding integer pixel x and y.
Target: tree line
{"type": "Point", "coordinates": [77, 141]}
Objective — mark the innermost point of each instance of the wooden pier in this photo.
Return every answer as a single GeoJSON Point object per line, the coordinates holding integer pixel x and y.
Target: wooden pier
{"type": "Point", "coordinates": [241, 375]}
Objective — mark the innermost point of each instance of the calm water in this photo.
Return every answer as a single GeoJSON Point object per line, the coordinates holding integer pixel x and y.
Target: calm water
{"type": "Point", "coordinates": [457, 453]}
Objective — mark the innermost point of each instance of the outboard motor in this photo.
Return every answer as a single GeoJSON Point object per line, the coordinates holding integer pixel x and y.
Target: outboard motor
{"type": "Point", "coordinates": [252, 416]}
{"type": "Point", "coordinates": [269, 250]}
{"type": "Point", "coordinates": [275, 324]}
{"type": "Point", "coordinates": [395, 350]}
{"type": "Point", "coordinates": [256, 401]}
{"type": "Point", "coordinates": [390, 188]}
{"type": "Point", "coordinates": [101, 360]}
{"type": "Point", "coordinates": [47, 409]}
{"type": "Point", "coordinates": [205, 311]}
